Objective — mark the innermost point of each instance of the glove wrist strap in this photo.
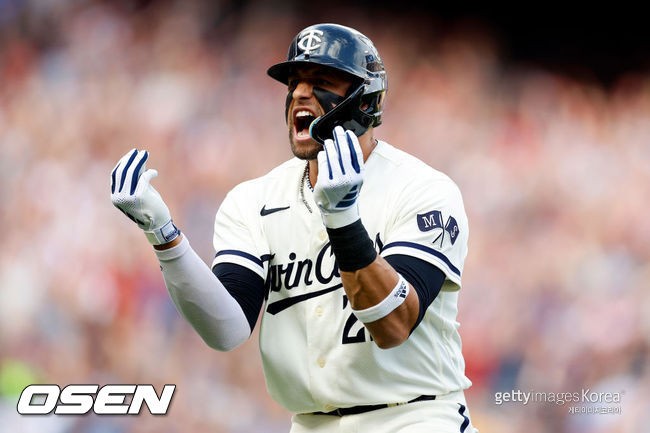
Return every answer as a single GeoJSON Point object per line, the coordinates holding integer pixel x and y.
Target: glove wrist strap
{"type": "Point", "coordinates": [163, 235]}
{"type": "Point", "coordinates": [342, 218]}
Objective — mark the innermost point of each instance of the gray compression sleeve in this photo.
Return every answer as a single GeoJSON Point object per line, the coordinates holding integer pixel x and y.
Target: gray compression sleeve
{"type": "Point", "coordinates": [201, 298]}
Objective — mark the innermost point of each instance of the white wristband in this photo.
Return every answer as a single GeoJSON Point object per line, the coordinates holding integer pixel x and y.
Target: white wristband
{"type": "Point", "coordinates": [394, 299]}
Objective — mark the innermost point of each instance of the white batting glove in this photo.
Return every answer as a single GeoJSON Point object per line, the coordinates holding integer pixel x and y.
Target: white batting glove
{"type": "Point", "coordinates": [132, 193]}
{"type": "Point", "coordinates": [340, 176]}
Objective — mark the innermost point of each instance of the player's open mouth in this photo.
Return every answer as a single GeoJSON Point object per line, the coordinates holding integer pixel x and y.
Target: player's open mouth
{"type": "Point", "coordinates": [301, 121]}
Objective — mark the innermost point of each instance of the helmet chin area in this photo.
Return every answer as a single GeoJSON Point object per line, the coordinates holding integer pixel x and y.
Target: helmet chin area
{"type": "Point", "coordinates": [347, 114]}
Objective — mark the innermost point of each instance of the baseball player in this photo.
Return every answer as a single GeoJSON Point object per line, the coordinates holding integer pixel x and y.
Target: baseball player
{"type": "Point", "coordinates": [353, 250]}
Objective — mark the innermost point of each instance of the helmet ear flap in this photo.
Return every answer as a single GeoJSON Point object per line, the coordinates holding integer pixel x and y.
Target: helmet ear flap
{"type": "Point", "coordinates": [372, 104]}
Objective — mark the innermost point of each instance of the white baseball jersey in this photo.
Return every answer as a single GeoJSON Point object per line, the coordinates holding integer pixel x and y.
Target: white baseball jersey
{"type": "Point", "coordinates": [316, 355]}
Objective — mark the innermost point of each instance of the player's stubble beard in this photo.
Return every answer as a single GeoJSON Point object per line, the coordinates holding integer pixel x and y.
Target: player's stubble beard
{"type": "Point", "coordinates": [305, 151]}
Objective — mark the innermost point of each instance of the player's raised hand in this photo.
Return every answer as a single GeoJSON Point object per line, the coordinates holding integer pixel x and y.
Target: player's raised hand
{"type": "Point", "coordinates": [132, 193]}
{"type": "Point", "coordinates": [340, 176]}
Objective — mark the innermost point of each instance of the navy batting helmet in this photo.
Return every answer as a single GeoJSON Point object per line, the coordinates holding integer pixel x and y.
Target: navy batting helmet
{"type": "Point", "coordinates": [346, 50]}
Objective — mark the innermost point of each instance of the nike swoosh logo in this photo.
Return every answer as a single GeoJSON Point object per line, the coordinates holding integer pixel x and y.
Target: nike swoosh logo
{"type": "Point", "coordinates": [277, 306]}
{"type": "Point", "coordinates": [264, 211]}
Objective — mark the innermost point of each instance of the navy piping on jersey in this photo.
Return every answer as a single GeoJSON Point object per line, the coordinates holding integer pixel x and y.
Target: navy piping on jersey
{"type": "Point", "coordinates": [250, 257]}
{"type": "Point", "coordinates": [465, 423]}
{"type": "Point", "coordinates": [431, 251]}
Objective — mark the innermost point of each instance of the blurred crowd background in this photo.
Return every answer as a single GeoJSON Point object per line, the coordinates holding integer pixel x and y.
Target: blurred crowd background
{"type": "Point", "coordinates": [555, 173]}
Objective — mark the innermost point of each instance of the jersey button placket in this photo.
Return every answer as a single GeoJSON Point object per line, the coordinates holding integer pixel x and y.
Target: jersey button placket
{"type": "Point", "coordinates": [319, 313]}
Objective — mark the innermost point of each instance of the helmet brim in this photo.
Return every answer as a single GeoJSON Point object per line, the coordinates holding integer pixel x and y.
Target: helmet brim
{"type": "Point", "coordinates": [281, 71]}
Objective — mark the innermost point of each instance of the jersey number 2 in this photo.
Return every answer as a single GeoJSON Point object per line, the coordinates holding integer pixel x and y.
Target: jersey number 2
{"type": "Point", "coordinates": [352, 325]}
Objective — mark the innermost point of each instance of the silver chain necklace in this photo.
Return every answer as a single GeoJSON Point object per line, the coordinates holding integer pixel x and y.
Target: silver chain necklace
{"type": "Point", "coordinates": [304, 179]}
{"type": "Point", "coordinates": [301, 186]}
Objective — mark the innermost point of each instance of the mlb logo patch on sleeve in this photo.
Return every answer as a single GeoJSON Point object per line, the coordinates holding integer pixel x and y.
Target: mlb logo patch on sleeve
{"type": "Point", "coordinates": [434, 220]}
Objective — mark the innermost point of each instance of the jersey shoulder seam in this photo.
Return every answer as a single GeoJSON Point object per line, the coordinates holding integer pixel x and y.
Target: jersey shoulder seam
{"type": "Point", "coordinates": [276, 173]}
{"type": "Point", "coordinates": [402, 160]}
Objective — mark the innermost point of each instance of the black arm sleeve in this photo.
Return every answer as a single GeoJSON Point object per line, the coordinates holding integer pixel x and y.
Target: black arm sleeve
{"type": "Point", "coordinates": [245, 286]}
{"type": "Point", "coordinates": [425, 278]}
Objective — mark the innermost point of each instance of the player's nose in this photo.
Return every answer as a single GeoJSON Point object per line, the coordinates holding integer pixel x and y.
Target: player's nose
{"type": "Point", "coordinates": [304, 89]}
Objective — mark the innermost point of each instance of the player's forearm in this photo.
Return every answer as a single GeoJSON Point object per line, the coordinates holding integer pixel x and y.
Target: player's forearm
{"type": "Point", "coordinates": [201, 298]}
{"type": "Point", "coordinates": [379, 298]}
{"type": "Point", "coordinates": [368, 287]}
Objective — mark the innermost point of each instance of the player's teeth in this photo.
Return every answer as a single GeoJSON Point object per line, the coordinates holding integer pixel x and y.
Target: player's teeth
{"type": "Point", "coordinates": [303, 114]}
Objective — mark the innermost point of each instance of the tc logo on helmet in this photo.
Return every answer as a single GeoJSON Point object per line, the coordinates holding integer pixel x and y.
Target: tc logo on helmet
{"type": "Point", "coordinates": [310, 40]}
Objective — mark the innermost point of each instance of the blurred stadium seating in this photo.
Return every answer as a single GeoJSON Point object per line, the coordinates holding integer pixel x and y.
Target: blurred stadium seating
{"type": "Point", "coordinates": [555, 174]}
